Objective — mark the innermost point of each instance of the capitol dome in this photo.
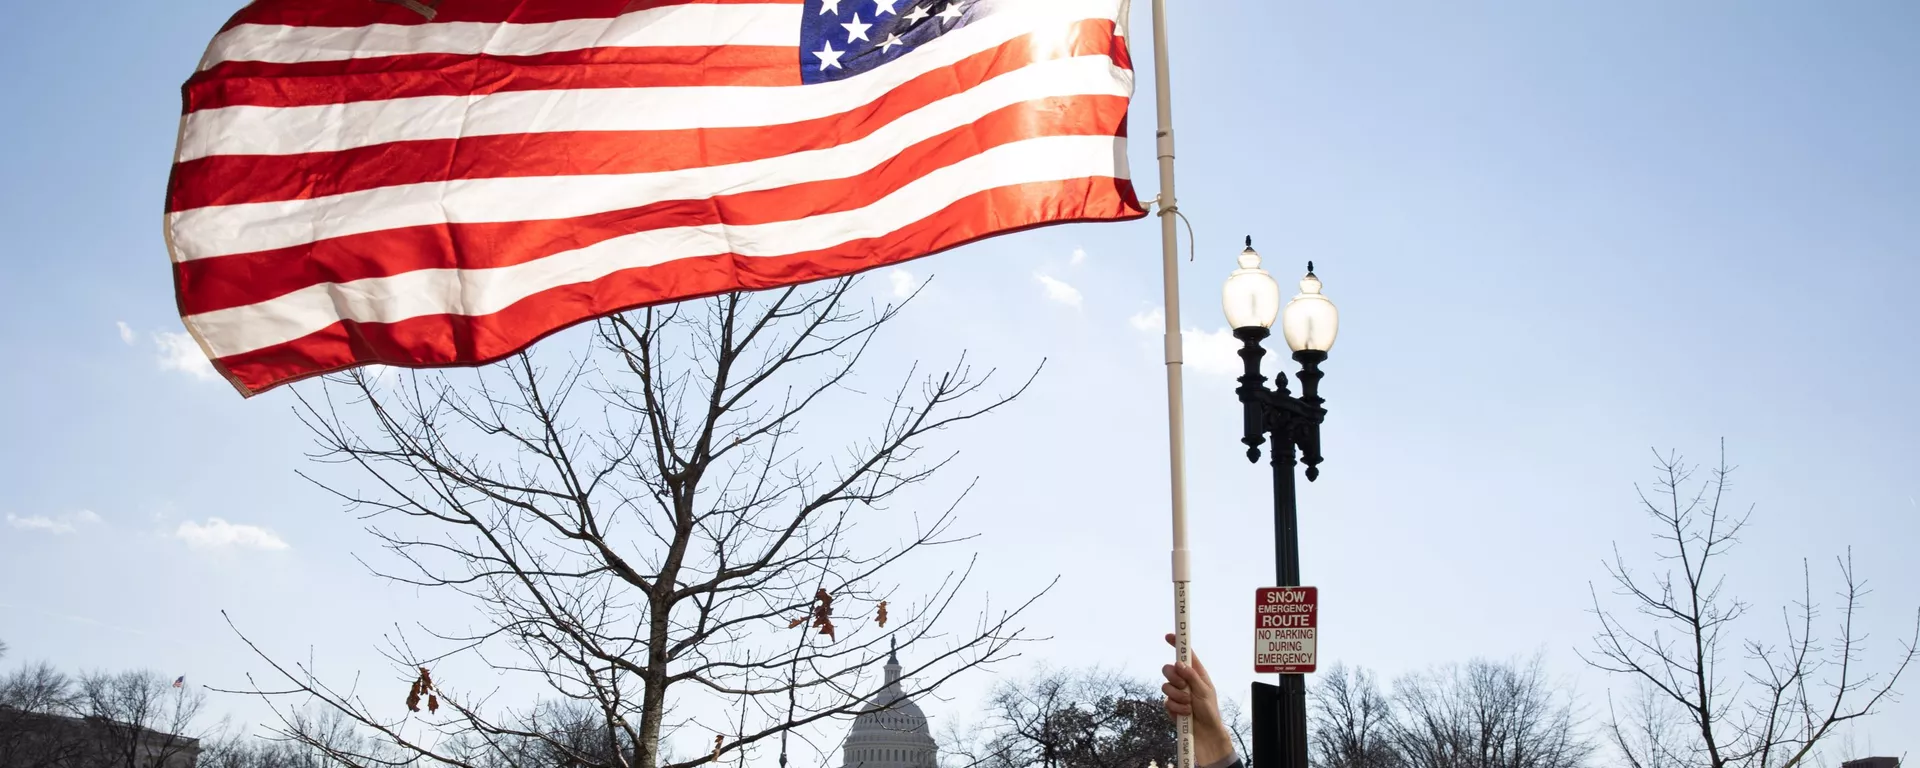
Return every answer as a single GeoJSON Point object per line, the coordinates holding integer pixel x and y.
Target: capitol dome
{"type": "Point", "coordinates": [891, 732]}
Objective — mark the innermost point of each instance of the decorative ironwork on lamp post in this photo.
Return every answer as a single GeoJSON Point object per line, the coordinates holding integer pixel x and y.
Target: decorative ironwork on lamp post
{"type": "Point", "coordinates": [1309, 324]}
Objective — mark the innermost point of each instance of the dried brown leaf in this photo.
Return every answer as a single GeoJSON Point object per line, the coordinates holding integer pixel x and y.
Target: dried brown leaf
{"type": "Point", "coordinates": [882, 617]}
{"type": "Point", "coordinates": [422, 685]}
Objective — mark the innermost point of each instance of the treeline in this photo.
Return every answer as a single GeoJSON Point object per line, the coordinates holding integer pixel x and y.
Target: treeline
{"type": "Point", "coordinates": [1064, 719]}
{"type": "Point", "coordinates": [557, 736]}
{"type": "Point", "coordinates": [1482, 714]}
{"type": "Point", "coordinates": [138, 719]}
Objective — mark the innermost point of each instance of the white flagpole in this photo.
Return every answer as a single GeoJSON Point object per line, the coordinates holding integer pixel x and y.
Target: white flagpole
{"type": "Point", "coordinates": [1176, 417]}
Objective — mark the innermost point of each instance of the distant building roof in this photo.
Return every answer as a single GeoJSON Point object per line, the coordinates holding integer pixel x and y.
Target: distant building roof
{"type": "Point", "coordinates": [47, 735]}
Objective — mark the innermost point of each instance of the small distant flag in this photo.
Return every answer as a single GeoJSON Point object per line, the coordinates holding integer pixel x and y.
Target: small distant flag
{"type": "Point", "coordinates": [180, 681]}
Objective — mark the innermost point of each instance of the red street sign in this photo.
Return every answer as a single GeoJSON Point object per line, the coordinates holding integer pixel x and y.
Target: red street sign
{"type": "Point", "coordinates": [1286, 622]}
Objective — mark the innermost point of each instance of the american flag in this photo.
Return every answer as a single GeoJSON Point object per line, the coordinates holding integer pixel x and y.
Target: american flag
{"type": "Point", "coordinates": [426, 184]}
{"type": "Point", "coordinates": [180, 681]}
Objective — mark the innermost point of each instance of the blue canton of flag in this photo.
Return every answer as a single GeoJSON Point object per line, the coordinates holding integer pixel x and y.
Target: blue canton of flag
{"type": "Point", "coordinates": [843, 38]}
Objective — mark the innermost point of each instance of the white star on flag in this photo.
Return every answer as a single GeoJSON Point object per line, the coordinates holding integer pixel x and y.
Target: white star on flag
{"type": "Point", "coordinates": [919, 12]}
{"type": "Point", "coordinates": [952, 12]}
{"type": "Point", "coordinates": [883, 7]}
{"type": "Point", "coordinates": [830, 6]}
{"type": "Point", "coordinates": [829, 58]}
{"type": "Point", "coordinates": [856, 30]}
{"type": "Point", "coordinates": [892, 40]}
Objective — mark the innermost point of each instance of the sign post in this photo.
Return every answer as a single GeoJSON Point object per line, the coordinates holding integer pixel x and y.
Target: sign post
{"type": "Point", "coordinates": [1286, 623]}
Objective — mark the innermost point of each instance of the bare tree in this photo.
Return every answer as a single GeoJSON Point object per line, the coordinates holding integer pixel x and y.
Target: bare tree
{"type": "Point", "coordinates": [1478, 715]}
{"type": "Point", "coordinates": [1486, 714]}
{"type": "Point", "coordinates": [571, 735]}
{"type": "Point", "coordinates": [1351, 720]}
{"type": "Point", "coordinates": [1088, 718]}
{"type": "Point", "coordinates": [250, 752]}
{"type": "Point", "coordinates": [329, 739]}
{"type": "Point", "coordinates": [570, 728]}
{"type": "Point", "coordinates": [336, 741]}
{"type": "Point", "coordinates": [1647, 728]}
{"type": "Point", "coordinates": [1085, 717]}
{"type": "Point", "coordinates": [31, 698]}
{"type": "Point", "coordinates": [138, 718]}
{"type": "Point", "coordinates": [648, 535]}
{"type": "Point", "coordinates": [1698, 707]}
{"type": "Point", "coordinates": [1240, 727]}
{"type": "Point", "coordinates": [37, 688]}
{"type": "Point", "coordinates": [239, 752]}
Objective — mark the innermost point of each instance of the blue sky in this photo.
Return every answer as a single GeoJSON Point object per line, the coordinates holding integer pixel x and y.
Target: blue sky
{"type": "Point", "coordinates": [1559, 235]}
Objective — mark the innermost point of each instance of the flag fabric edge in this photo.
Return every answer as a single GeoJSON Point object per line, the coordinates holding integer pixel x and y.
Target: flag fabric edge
{"type": "Point", "coordinates": [1137, 214]}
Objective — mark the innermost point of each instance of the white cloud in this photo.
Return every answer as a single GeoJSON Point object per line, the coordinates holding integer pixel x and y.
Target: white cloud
{"type": "Point", "coordinates": [1215, 353]}
{"type": "Point", "coordinates": [380, 375]}
{"type": "Point", "coordinates": [62, 524]}
{"type": "Point", "coordinates": [1079, 255]}
{"type": "Point", "coordinates": [216, 533]}
{"type": "Point", "coordinates": [1058, 291]}
{"type": "Point", "coordinates": [1148, 321]}
{"type": "Point", "coordinates": [126, 332]}
{"type": "Point", "coordinates": [179, 352]}
{"type": "Point", "coordinates": [40, 523]}
{"type": "Point", "coordinates": [903, 282]}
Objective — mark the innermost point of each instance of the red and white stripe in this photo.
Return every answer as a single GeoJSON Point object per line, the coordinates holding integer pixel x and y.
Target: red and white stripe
{"type": "Point", "coordinates": [355, 184]}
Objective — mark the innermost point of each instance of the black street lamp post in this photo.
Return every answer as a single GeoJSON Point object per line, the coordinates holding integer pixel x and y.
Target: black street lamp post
{"type": "Point", "coordinates": [1252, 302]}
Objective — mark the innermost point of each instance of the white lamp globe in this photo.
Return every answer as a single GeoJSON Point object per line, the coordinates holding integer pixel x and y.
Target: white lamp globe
{"type": "Point", "coordinates": [1311, 322]}
{"type": "Point", "coordinates": [1251, 297]}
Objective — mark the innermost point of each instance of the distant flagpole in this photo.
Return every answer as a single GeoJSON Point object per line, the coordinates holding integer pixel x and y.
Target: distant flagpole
{"type": "Point", "coordinates": [1176, 416]}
